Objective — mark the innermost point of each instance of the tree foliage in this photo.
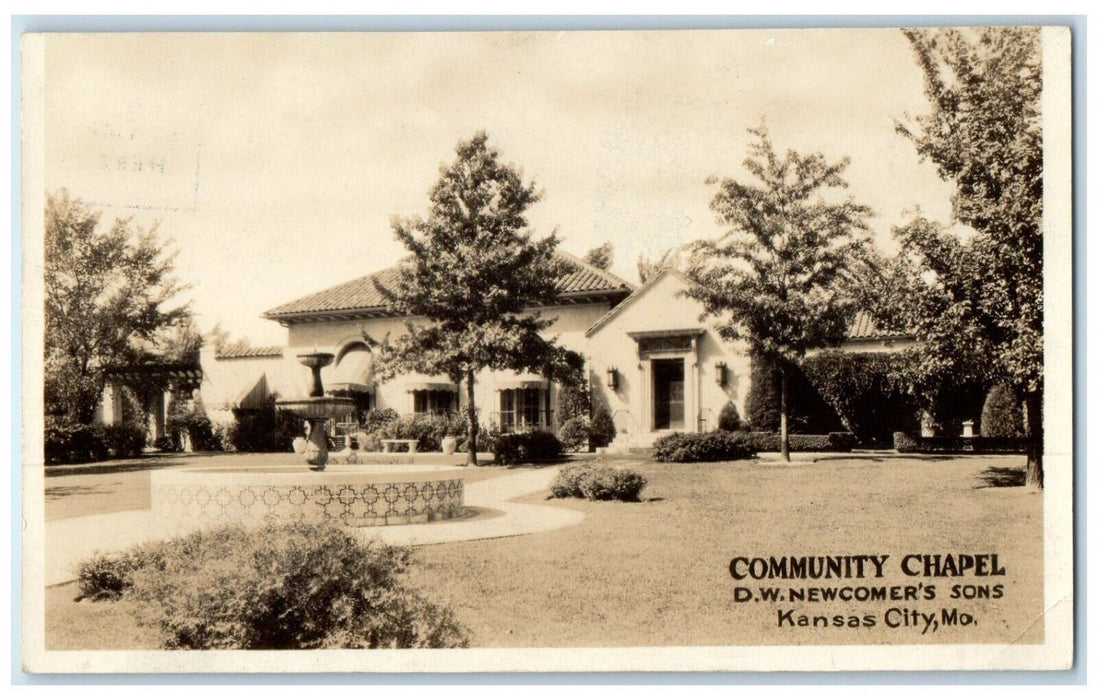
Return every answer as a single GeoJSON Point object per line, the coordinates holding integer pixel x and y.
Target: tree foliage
{"type": "Point", "coordinates": [983, 133]}
{"type": "Point", "coordinates": [647, 268]}
{"type": "Point", "coordinates": [108, 295]}
{"type": "Point", "coordinates": [601, 256]}
{"type": "Point", "coordinates": [223, 342]}
{"type": "Point", "coordinates": [779, 278]}
{"type": "Point", "coordinates": [474, 272]}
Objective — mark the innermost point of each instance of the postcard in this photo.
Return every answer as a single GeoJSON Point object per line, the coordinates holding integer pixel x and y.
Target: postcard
{"type": "Point", "coordinates": [683, 350]}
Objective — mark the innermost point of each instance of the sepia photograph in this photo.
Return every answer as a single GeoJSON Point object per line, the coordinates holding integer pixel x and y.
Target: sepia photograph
{"type": "Point", "coordinates": [646, 350]}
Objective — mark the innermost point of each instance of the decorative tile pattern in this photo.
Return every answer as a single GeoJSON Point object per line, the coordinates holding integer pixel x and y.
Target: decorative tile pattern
{"type": "Point", "coordinates": [354, 505]}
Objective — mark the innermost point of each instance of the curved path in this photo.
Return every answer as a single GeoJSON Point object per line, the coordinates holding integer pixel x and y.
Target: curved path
{"type": "Point", "coordinates": [71, 540]}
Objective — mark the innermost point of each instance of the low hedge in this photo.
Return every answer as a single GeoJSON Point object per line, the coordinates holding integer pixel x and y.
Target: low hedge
{"type": "Point", "coordinates": [535, 446]}
{"type": "Point", "coordinates": [598, 483]}
{"type": "Point", "coordinates": [772, 442]}
{"type": "Point", "coordinates": [908, 444]}
{"type": "Point", "coordinates": [292, 586]}
{"type": "Point", "coordinates": [715, 446]}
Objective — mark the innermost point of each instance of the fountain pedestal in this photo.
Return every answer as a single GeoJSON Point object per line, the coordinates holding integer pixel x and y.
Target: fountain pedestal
{"type": "Point", "coordinates": [317, 409]}
{"type": "Point", "coordinates": [316, 451]}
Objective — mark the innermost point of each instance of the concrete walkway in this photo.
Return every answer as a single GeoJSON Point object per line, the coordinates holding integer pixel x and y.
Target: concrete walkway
{"type": "Point", "coordinates": [71, 540]}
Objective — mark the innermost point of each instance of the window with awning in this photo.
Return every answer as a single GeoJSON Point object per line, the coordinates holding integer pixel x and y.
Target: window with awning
{"type": "Point", "coordinates": [524, 408]}
{"type": "Point", "coordinates": [353, 371]}
{"type": "Point", "coordinates": [434, 402]}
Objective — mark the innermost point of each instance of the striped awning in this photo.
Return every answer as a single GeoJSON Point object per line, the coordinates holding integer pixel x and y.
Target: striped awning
{"type": "Point", "coordinates": [424, 382]}
{"type": "Point", "coordinates": [252, 395]}
{"type": "Point", "coordinates": [526, 380]}
{"type": "Point", "coordinates": [354, 371]}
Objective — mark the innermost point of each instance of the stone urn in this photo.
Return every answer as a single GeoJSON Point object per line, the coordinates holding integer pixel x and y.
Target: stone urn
{"type": "Point", "coordinates": [449, 444]}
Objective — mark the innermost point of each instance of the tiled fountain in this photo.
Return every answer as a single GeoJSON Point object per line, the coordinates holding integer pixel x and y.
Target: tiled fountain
{"type": "Point", "coordinates": [354, 495]}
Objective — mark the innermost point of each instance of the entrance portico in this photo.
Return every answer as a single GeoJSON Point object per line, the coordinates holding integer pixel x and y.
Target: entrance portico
{"type": "Point", "coordinates": [669, 366]}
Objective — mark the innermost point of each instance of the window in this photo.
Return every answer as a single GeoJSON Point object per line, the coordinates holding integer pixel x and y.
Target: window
{"type": "Point", "coordinates": [433, 403]}
{"type": "Point", "coordinates": [523, 409]}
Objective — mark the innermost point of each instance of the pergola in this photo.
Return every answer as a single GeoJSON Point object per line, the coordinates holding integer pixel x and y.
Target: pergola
{"type": "Point", "coordinates": [166, 378]}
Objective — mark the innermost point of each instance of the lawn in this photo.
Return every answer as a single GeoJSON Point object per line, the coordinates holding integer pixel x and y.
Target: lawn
{"type": "Point", "coordinates": [656, 572]}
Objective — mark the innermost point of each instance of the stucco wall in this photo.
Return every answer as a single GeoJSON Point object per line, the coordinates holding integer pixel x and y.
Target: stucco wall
{"type": "Point", "coordinates": [661, 307]}
{"type": "Point", "coordinates": [569, 326]}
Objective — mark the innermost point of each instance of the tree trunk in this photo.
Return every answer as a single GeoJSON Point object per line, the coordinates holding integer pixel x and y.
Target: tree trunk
{"type": "Point", "coordinates": [1035, 431]}
{"type": "Point", "coordinates": [785, 415]}
{"type": "Point", "coordinates": [471, 453]}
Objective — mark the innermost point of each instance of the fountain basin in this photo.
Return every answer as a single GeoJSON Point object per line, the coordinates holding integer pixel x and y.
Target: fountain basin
{"type": "Point", "coordinates": [318, 407]}
{"type": "Point", "coordinates": [351, 496]}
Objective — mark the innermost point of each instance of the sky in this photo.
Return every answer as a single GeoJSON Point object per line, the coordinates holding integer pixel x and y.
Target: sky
{"type": "Point", "coordinates": [274, 162]}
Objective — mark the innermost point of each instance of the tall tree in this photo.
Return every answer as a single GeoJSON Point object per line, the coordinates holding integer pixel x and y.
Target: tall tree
{"type": "Point", "coordinates": [777, 278]}
{"type": "Point", "coordinates": [183, 343]}
{"type": "Point", "coordinates": [106, 292]}
{"type": "Point", "coordinates": [474, 272]}
{"type": "Point", "coordinates": [601, 256]}
{"type": "Point", "coordinates": [983, 133]}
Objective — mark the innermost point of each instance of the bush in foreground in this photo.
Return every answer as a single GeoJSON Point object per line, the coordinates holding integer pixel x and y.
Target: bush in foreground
{"type": "Point", "coordinates": [598, 483]}
{"type": "Point", "coordinates": [297, 586]}
{"type": "Point", "coordinates": [715, 446]}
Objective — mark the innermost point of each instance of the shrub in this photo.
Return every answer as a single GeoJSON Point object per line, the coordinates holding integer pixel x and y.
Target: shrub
{"type": "Point", "coordinates": [377, 418]}
{"type": "Point", "coordinates": [1002, 414]}
{"type": "Point", "coordinates": [567, 482]}
{"type": "Point", "coordinates": [68, 442]}
{"type": "Point", "coordinates": [772, 442]}
{"type": "Point", "coordinates": [729, 418]}
{"type": "Point", "coordinates": [903, 442]}
{"type": "Point", "coordinates": [575, 434]}
{"type": "Point", "coordinates": [297, 586]}
{"type": "Point", "coordinates": [602, 431]}
{"type": "Point", "coordinates": [367, 442]}
{"type": "Point", "coordinates": [841, 442]}
{"type": "Point", "coordinates": [124, 440]}
{"type": "Point", "coordinates": [201, 432]}
{"type": "Point", "coordinates": [598, 483]}
{"type": "Point", "coordinates": [573, 401]}
{"type": "Point", "coordinates": [428, 430]}
{"type": "Point", "coordinates": [959, 445]}
{"type": "Point", "coordinates": [715, 446]}
{"type": "Point", "coordinates": [535, 446]}
{"type": "Point", "coordinates": [196, 426]}
{"type": "Point", "coordinates": [486, 439]}
{"type": "Point", "coordinates": [110, 576]}
{"type": "Point", "coordinates": [165, 443]}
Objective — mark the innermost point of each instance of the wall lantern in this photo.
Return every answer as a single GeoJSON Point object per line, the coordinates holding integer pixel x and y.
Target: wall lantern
{"type": "Point", "coordinates": [612, 377]}
{"type": "Point", "coordinates": [721, 373]}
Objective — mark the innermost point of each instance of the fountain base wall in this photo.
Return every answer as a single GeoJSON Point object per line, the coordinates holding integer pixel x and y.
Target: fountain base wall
{"type": "Point", "coordinates": [364, 497]}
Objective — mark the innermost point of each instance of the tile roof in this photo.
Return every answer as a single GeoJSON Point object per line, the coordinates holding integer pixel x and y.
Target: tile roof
{"type": "Point", "coordinates": [361, 294]}
{"type": "Point", "coordinates": [865, 328]}
{"type": "Point", "coordinates": [242, 353]}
